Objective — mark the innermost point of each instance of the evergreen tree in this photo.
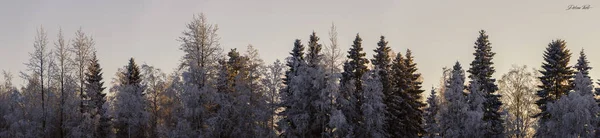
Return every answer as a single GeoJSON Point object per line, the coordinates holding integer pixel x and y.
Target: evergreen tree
{"type": "Point", "coordinates": [382, 62]}
{"type": "Point", "coordinates": [308, 109]}
{"type": "Point", "coordinates": [430, 124]}
{"type": "Point", "coordinates": [583, 64]}
{"type": "Point", "coordinates": [351, 84]}
{"type": "Point", "coordinates": [288, 98]}
{"type": "Point", "coordinates": [399, 105]}
{"type": "Point", "coordinates": [475, 100]}
{"type": "Point", "coordinates": [575, 114]}
{"type": "Point", "coordinates": [453, 115]}
{"type": "Point", "coordinates": [130, 114]}
{"type": "Point", "coordinates": [373, 107]}
{"type": "Point", "coordinates": [482, 70]}
{"type": "Point", "coordinates": [415, 120]}
{"type": "Point", "coordinates": [94, 88]}
{"type": "Point", "coordinates": [555, 79]}
{"type": "Point", "coordinates": [319, 96]}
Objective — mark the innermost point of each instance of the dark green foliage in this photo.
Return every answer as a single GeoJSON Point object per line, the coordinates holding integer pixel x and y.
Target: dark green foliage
{"type": "Point", "coordinates": [95, 88]}
{"type": "Point", "coordinates": [482, 69]}
{"type": "Point", "coordinates": [415, 121]}
{"type": "Point", "coordinates": [556, 76]}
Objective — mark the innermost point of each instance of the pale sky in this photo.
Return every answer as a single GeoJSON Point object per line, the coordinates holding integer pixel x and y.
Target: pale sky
{"type": "Point", "coordinates": [439, 32]}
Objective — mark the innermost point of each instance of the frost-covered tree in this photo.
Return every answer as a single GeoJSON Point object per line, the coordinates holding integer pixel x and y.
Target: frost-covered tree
{"type": "Point", "coordinates": [518, 87]}
{"type": "Point", "coordinates": [430, 123]}
{"type": "Point", "coordinates": [351, 84]}
{"type": "Point", "coordinates": [373, 107]}
{"type": "Point", "coordinates": [453, 114]}
{"type": "Point", "coordinates": [129, 105]}
{"type": "Point", "coordinates": [96, 104]}
{"type": "Point", "coordinates": [555, 79]}
{"type": "Point", "coordinates": [273, 84]}
{"type": "Point", "coordinates": [156, 84]}
{"type": "Point", "coordinates": [320, 103]}
{"type": "Point", "coordinates": [82, 48]}
{"type": "Point", "coordinates": [39, 66]}
{"type": "Point", "coordinates": [332, 53]}
{"type": "Point", "coordinates": [288, 96]}
{"type": "Point", "coordinates": [383, 63]}
{"type": "Point", "coordinates": [482, 70]}
{"type": "Point", "coordinates": [307, 99]}
{"type": "Point", "coordinates": [575, 114]}
{"type": "Point", "coordinates": [200, 43]}
{"type": "Point", "coordinates": [475, 100]}
{"type": "Point", "coordinates": [63, 59]}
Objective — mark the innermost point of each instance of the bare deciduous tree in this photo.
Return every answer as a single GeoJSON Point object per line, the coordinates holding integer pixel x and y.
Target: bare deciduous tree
{"type": "Point", "coordinates": [518, 88]}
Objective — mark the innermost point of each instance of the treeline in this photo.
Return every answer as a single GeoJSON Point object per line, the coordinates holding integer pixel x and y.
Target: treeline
{"type": "Point", "coordinates": [314, 92]}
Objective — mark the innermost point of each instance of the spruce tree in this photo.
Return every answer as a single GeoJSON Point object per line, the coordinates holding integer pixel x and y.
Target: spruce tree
{"type": "Point", "coordinates": [399, 110]}
{"type": "Point", "coordinates": [555, 79]}
{"type": "Point", "coordinates": [482, 70]}
{"type": "Point", "coordinates": [294, 62]}
{"type": "Point", "coordinates": [351, 83]}
{"type": "Point", "coordinates": [453, 116]}
{"type": "Point", "coordinates": [319, 108]}
{"type": "Point", "coordinates": [415, 120]}
{"type": "Point", "coordinates": [356, 64]}
{"type": "Point", "coordinates": [431, 125]}
{"type": "Point", "coordinates": [94, 88]}
{"type": "Point", "coordinates": [129, 103]}
{"type": "Point", "coordinates": [383, 63]}
{"type": "Point", "coordinates": [583, 65]}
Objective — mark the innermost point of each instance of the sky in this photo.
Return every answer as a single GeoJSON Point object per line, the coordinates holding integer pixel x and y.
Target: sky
{"type": "Point", "coordinates": [439, 32]}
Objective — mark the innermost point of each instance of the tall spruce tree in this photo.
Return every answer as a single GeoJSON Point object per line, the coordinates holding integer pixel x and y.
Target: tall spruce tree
{"type": "Point", "coordinates": [555, 79]}
{"type": "Point", "coordinates": [413, 80]}
{"type": "Point", "coordinates": [357, 62]}
{"type": "Point", "coordinates": [296, 59]}
{"type": "Point", "coordinates": [399, 104]}
{"type": "Point", "coordinates": [383, 64]}
{"type": "Point", "coordinates": [95, 91]}
{"type": "Point", "coordinates": [319, 108]}
{"type": "Point", "coordinates": [351, 83]}
{"type": "Point", "coordinates": [482, 70]}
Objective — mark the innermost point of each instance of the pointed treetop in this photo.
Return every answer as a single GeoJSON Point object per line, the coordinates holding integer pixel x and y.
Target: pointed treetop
{"type": "Point", "coordinates": [298, 50]}
{"type": "Point", "coordinates": [314, 49]}
{"type": "Point", "coordinates": [583, 64]}
{"type": "Point", "coordinates": [382, 59]}
{"type": "Point", "coordinates": [133, 73]}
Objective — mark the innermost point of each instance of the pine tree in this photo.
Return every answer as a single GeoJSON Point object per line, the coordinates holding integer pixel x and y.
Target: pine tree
{"type": "Point", "coordinates": [415, 120]}
{"type": "Point", "coordinates": [556, 75]}
{"type": "Point", "coordinates": [430, 124]}
{"type": "Point", "coordinates": [482, 69]}
{"type": "Point", "coordinates": [94, 89]}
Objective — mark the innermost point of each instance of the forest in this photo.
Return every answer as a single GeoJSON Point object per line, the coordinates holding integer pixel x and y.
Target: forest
{"type": "Point", "coordinates": [317, 91]}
